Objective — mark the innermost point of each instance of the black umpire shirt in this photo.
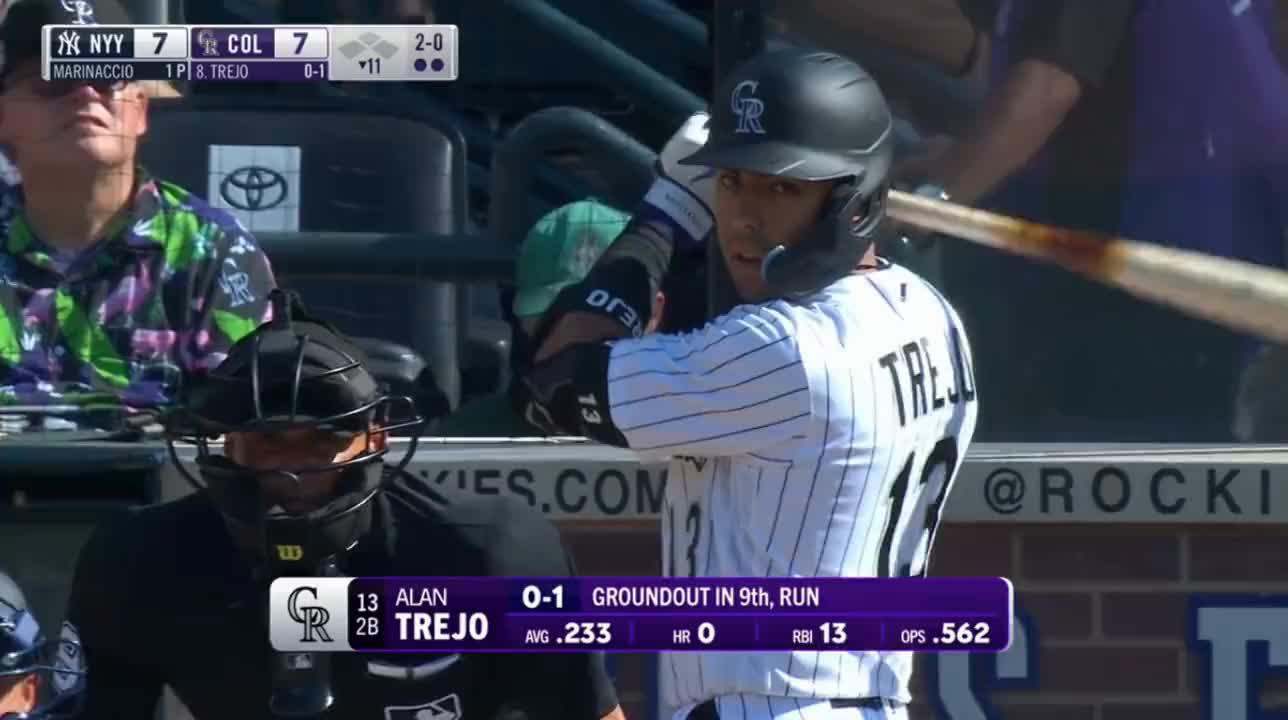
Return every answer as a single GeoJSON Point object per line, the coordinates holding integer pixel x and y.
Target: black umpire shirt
{"type": "Point", "coordinates": [162, 598]}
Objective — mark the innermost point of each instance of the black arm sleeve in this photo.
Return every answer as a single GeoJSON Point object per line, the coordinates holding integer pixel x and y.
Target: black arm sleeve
{"type": "Point", "coordinates": [101, 606]}
{"type": "Point", "coordinates": [558, 686]}
{"type": "Point", "coordinates": [648, 240]}
{"type": "Point", "coordinates": [1082, 38]}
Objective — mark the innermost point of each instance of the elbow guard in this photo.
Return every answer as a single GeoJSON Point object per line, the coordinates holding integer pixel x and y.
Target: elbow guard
{"type": "Point", "coordinates": [647, 243]}
{"type": "Point", "coordinates": [568, 393]}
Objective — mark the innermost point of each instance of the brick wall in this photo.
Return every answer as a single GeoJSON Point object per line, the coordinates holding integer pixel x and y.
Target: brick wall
{"type": "Point", "coordinates": [1109, 605]}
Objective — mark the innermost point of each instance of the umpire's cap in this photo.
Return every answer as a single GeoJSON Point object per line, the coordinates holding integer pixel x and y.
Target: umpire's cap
{"type": "Point", "coordinates": [816, 116]}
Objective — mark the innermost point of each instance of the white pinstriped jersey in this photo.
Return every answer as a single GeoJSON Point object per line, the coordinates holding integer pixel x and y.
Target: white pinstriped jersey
{"type": "Point", "coordinates": [809, 439]}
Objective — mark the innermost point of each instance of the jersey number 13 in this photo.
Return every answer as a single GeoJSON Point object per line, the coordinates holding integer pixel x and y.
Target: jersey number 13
{"type": "Point", "coordinates": [906, 554]}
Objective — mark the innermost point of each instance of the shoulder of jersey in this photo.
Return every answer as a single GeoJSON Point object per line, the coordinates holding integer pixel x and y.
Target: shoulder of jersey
{"type": "Point", "coordinates": [901, 282]}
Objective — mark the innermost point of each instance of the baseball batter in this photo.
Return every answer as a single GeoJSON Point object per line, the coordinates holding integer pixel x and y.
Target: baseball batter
{"type": "Point", "coordinates": [814, 430]}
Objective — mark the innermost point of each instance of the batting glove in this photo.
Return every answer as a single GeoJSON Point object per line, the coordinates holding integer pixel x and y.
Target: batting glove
{"type": "Point", "coordinates": [547, 399]}
{"type": "Point", "coordinates": [685, 194]}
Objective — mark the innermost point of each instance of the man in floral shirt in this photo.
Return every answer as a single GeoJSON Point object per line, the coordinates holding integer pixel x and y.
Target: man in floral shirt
{"type": "Point", "coordinates": [114, 286]}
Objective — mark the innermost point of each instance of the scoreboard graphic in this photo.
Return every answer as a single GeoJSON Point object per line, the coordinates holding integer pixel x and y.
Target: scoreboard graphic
{"type": "Point", "coordinates": [640, 614]}
{"type": "Point", "coordinates": [237, 53]}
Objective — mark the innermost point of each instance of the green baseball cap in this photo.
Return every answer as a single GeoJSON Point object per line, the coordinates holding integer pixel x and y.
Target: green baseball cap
{"type": "Point", "coordinates": [560, 249]}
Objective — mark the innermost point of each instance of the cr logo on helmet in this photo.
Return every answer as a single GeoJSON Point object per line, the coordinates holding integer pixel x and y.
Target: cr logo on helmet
{"type": "Point", "coordinates": [747, 108]}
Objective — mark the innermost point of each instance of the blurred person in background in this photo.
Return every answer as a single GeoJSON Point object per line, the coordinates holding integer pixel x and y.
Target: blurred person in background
{"type": "Point", "coordinates": [936, 31]}
{"type": "Point", "coordinates": [9, 177]}
{"type": "Point", "coordinates": [115, 286]}
{"type": "Point", "coordinates": [1102, 116]}
{"type": "Point", "coordinates": [558, 251]}
{"type": "Point", "coordinates": [923, 52]}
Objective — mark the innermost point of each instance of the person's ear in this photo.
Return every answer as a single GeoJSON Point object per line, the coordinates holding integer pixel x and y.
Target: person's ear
{"type": "Point", "coordinates": [26, 693]}
{"type": "Point", "coordinates": [141, 96]}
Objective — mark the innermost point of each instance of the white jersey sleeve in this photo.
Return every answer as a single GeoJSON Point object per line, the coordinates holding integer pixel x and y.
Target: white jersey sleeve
{"type": "Point", "coordinates": [737, 385]}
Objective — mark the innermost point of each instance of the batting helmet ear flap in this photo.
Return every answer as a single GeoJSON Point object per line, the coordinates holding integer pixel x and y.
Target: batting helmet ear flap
{"type": "Point", "coordinates": [832, 247]}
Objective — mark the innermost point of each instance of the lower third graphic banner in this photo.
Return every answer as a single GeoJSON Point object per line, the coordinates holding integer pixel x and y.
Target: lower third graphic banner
{"type": "Point", "coordinates": [640, 614]}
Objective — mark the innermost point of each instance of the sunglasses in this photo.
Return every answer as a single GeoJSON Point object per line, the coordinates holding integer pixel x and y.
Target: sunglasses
{"type": "Point", "coordinates": [50, 89]}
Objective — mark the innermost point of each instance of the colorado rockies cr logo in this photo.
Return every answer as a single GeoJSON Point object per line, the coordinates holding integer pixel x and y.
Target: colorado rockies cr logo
{"type": "Point", "coordinates": [313, 617]}
{"type": "Point", "coordinates": [747, 108]}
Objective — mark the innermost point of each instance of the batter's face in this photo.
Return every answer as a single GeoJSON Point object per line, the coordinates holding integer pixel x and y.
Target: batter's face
{"type": "Point", "coordinates": [756, 213]}
{"type": "Point", "coordinates": [18, 698]}
{"type": "Point", "coordinates": [291, 450]}
{"type": "Point", "coordinates": [61, 125]}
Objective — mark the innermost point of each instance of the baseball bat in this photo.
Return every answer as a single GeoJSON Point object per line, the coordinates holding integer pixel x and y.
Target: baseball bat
{"type": "Point", "coordinates": [1239, 295]}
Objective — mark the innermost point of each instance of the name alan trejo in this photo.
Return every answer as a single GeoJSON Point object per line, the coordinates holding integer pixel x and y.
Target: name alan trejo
{"type": "Point", "coordinates": [431, 626]}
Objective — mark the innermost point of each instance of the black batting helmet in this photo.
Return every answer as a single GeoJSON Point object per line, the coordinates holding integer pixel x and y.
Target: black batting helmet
{"type": "Point", "coordinates": [808, 115]}
{"type": "Point", "coordinates": [58, 664]}
{"type": "Point", "coordinates": [293, 372]}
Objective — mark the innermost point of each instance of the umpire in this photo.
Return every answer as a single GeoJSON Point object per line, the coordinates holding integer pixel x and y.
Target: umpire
{"type": "Point", "coordinates": [176, 594]}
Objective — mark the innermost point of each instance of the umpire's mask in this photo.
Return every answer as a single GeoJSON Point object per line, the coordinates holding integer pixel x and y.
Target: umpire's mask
{"type": "Point", "coordinates": [298, 397]}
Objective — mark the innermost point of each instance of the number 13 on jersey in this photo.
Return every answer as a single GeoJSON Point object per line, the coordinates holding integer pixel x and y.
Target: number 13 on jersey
{"type": "Point", "coordinates": [906, 553]}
